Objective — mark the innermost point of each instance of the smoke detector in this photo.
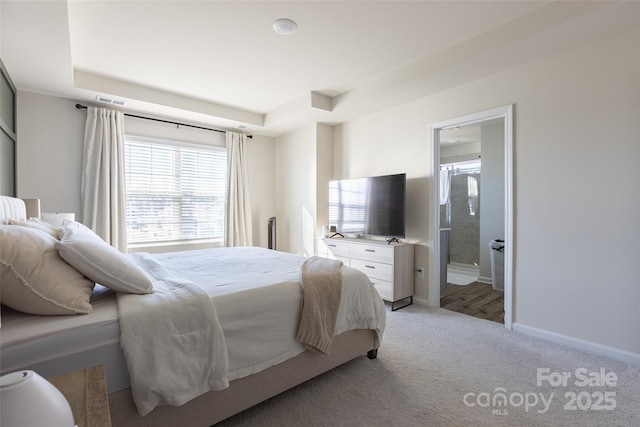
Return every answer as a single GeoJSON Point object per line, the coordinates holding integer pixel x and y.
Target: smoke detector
{"type": "Point", "coordinates": [285, 26]}
{"type": "Point", "coordinates": [111, 101]}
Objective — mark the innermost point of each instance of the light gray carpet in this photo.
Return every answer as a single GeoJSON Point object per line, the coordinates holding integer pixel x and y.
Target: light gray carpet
{"type": "Point", "coordinates": [431, 358]}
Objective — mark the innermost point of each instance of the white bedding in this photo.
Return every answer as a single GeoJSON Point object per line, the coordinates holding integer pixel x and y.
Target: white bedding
{"type": "Point", "coordinates": [256, 294]}
{"type": "Point", "coordinates": [259, 325]}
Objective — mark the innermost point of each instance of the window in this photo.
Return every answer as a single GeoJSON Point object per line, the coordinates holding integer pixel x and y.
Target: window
{"type": "Point", "coordinates": [175, 191]}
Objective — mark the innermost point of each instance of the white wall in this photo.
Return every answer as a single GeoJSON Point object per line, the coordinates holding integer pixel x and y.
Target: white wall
{"type": "Point", "coordinates": [324, 174]}
{"type": "Point", "coordinates": [49, 151]}
{"type": "Point", "coordinates": [49, 156]}
{"type": "Point", "coordinates": [303, 170]}
{"type": "Point", "coordinates": [577, 199]}
{"type": "Point", "coordinates": [262, 181]}
{"type": "Point", "coordinates": [295, 177]}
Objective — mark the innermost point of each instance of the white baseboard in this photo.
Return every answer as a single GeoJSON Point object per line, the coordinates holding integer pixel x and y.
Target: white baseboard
{"type": "Point", "coordinates": [603, 350]}
{"type": "Point", "coordinates": [487, 280]}
{"type": "Point", "coordinates": [421, 301]}
{"type": "Point", "coordinates": [614, 353]}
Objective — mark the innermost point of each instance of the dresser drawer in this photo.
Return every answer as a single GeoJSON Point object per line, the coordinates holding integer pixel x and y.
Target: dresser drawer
{"type": "Point", "coordinates": [378, 253]}
{"type": "Point", "coordinates": [338, 249]}
{"type": "Point", "coordinates": [384, 288]}
{"type": "Point", "coordinates": [373, 269]}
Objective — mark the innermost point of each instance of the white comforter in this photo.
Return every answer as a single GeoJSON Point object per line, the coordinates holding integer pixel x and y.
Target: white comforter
{"type": "Point", "coordinates": [247, 307]}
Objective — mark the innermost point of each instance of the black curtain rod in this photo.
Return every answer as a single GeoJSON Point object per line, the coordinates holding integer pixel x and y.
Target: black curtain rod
{"type": "Point", "coordinates": [80, 107]}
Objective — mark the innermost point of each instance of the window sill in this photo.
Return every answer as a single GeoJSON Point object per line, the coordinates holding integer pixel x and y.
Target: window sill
{"type": "Point", "coordinates": [185, 245]}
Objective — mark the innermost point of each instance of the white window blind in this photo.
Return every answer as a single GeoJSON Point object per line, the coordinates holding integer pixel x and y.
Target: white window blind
{"type": "Point", "coordinates": [174, 192]}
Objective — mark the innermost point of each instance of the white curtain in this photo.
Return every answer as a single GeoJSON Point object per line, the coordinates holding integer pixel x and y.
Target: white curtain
{"type": "Point", "coordinates": [103, 191]}
{"type": "Point", "coordinates": [238, 214]}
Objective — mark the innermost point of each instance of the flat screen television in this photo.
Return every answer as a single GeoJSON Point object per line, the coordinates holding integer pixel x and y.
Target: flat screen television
{"type": "Point", "coordinates": [372, 206]}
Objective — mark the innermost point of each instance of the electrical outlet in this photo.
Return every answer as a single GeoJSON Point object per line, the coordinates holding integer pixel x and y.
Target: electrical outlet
{"type": "Point", "coordinates": [420, 271]}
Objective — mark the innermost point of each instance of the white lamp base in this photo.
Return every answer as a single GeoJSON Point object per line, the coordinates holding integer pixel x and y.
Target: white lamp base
{"type": "Point", "coordinates": [27, 399]}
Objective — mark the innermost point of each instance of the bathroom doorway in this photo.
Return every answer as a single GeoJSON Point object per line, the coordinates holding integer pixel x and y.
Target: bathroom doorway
{"type": "Point", "coordinates": [471, 211]}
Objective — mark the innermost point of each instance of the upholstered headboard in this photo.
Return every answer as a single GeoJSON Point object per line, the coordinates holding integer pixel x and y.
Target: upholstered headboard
{"type": "Point", "coordinates": [18, 209]}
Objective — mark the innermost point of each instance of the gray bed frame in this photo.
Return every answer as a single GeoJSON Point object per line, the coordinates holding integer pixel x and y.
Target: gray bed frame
{"type": "Point", "coordinates": [246, 392]}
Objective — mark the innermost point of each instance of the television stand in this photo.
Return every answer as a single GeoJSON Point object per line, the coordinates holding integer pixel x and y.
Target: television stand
{"type": "Point", "coordinates": [391, 240]}
{"type": "Point", "coordinates": [388, 267]}
{"type": "Point", "coordinates": [336, 234]}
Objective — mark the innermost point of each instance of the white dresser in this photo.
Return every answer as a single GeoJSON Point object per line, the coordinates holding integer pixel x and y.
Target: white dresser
{"type": "Point", "coordinates": [388, 266]}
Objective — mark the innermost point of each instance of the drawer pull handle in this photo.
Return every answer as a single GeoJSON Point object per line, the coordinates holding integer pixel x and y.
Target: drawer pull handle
{"type": "Point", "coordinates": [370, 266]}
{"type": "Point", "coordinates": [332, 246]}
{"type": "Point", "coordinates": [370, 250]}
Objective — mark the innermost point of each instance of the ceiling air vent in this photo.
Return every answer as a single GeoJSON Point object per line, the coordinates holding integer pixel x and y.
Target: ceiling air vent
{"type": "Point", "coordinates": [106, 100]}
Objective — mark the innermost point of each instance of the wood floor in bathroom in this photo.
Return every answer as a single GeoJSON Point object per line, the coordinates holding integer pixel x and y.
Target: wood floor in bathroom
{"type": "Point", "coordinates": [477, 300]}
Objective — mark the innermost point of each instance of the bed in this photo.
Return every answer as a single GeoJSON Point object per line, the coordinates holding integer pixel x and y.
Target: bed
{"type": "Point", "coordinates": [246, 287]}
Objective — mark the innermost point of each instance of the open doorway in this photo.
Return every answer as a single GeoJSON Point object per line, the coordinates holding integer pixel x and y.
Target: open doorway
{"type": "Point", "coordinates": [471, 218]}
{"type": "Point", "coordinates": [471, 209]}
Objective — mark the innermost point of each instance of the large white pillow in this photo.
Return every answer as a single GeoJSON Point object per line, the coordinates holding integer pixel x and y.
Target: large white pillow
{"type": "Point", "coordinates": [33, 277]}
{"type": "Point", "coordinates": [100, 262]}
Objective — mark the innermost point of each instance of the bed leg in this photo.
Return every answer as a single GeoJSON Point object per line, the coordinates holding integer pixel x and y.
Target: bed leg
{"type": "Point", "coordinates": [372, 354]}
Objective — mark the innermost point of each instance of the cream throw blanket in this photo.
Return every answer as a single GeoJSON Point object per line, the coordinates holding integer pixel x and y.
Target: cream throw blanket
{"type": "Point", "coordinates": [172, 340]}
{"type": "Point", "coordinates": [321, 284]}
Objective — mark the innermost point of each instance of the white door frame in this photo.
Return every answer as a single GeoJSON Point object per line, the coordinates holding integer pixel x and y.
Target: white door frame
{"type": "Point", "coordinates": [505, 112]}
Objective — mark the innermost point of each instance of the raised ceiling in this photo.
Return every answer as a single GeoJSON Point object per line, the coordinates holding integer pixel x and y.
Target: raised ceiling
{"type": "Point", "coordinates": [220, 62]}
